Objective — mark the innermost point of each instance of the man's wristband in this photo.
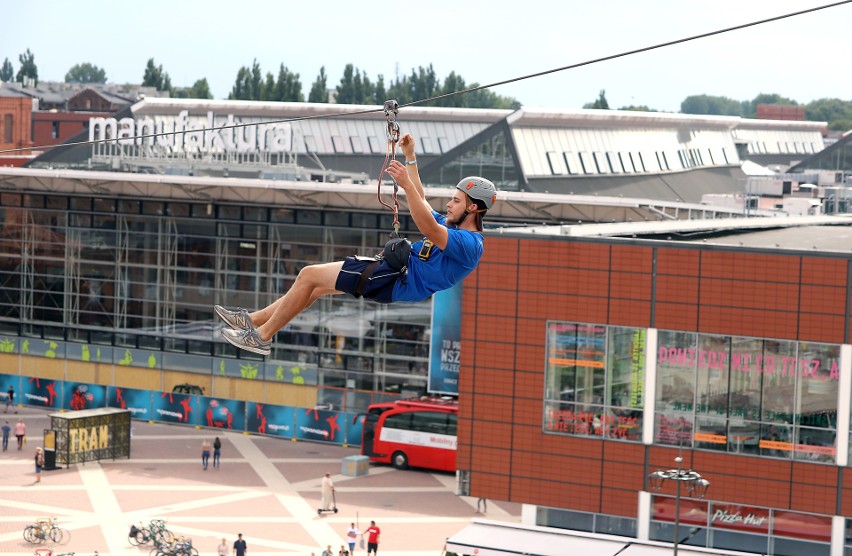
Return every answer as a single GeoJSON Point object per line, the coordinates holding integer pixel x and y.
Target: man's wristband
{"type": "Point", "coordinates": [410, 162]}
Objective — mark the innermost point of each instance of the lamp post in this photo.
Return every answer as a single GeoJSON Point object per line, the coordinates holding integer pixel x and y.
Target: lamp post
{"type": "Point", "coordinates": [696, 485]}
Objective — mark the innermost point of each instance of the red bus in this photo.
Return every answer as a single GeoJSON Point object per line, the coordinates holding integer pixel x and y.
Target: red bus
{"type": "Point", "coordinates": [412, 433]}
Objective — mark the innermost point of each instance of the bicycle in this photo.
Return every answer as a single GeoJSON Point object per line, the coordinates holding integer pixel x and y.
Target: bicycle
{"type": "Point", "coordinates": [45, 529]}
{"type": "Point", "coordinates": [174, 547]}
{"type": "Point", "coordinates": [155, 531]}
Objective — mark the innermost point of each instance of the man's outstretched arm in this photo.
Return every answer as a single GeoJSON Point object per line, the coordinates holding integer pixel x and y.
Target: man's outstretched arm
{"type": "Point", "coordinates": [420, 210]}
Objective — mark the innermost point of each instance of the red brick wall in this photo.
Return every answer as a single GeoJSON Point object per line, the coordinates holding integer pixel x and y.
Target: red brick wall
{"type": "Point", "coordinates": [68, 123]}
{"type": "Point", "coordinates": [20, 109]}
{"type": "Point", "coordinates": [522, 283]}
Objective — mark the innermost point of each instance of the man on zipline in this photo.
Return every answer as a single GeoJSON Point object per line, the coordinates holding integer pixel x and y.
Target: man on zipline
{"type": "Point", "coordinates": [450, 250]}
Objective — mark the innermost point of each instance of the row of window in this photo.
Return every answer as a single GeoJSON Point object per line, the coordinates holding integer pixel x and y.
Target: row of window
{"type": "Point", "coordinates": [579, 163]}
{"type": "Point", "coordinates": [773, 398]}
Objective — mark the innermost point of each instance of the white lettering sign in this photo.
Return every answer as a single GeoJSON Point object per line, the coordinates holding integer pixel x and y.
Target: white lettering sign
{"type": "Point", "coordinates": [184, 133]}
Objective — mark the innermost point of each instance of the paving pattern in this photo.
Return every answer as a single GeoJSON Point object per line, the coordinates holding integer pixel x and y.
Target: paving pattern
{"type": "Point", "coordinates": [266, 488]}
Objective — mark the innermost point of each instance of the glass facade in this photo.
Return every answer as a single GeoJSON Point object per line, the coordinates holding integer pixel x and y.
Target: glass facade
{"type": "Point", "coordinates": [144, 274]}
{"type": "Point", "coordinates": [594, 380]}
{"type": "Point", "coordinates": [773, 398]}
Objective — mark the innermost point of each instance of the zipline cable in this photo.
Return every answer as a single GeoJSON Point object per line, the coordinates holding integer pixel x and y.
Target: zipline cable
{"type": "Point", "coordinates": [454, 93]}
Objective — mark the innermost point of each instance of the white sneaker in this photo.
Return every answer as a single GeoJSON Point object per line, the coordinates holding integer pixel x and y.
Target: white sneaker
{"type": "Point", "coordinates": [248, 340]}
{"type": "Point", "coordinates": [238, 320]}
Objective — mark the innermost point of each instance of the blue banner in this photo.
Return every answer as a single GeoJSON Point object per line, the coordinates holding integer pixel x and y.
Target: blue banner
{"type": "Point", "coordinates": [445, 347]}
{"type": "Point", "coordinates": [169, 407]}
{"type": "Point", "coordinates": [320, 425]}
{"type": "Point", "coordinates": [220, 413]}
{"type": "Point", "coordinates": [41, 392]}
{"type": "Point", "coordinates": [275, 420]}
{"type": "Point", "coordinates": [138, 402]}
{"type": "Point", "coordinates": [80, 395]}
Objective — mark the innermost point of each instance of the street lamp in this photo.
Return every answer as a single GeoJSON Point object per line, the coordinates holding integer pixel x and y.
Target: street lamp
{"type": "Point", "coordinates": [696, 485]}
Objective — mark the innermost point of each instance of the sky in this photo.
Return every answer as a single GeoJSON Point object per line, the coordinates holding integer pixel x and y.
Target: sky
{"type": "Point", "coordinates": [486, 42]}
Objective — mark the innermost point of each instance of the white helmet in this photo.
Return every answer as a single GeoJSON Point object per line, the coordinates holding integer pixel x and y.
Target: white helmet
{"type": "Point", "coordinates": [480, 189]}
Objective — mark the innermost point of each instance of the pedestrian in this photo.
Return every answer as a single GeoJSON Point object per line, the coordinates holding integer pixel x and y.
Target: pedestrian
{"type": "Point", "coordinates": [6, 430]}
{"type": "Point", "coordinates": [240, 546]}
{"type": "Point", "coordinates": [352, 534]}
{"type": "Point", "coordinates": [10, 400]}
{"type": "Point", "coordinates": [327, 551]}
{"type": "Point", "coordinates": [223, 549]}
{"type": "Point", "coordinates": [20, 433]}
{"type": "Point", "coordinates": [205, 453]}
{"type": "Point", "coordinates": [217, 451]}
{"type": "Point", "coordinates": [39, 463]}
{"type": "Point", "coordinates": [372, 538]}
{"type": "Point", "coordinates": [450, 250]}
{"type": "Point", "coordinates": [343, 551]}
{"type": "Point", "coordinates": [327, 490]}
{"type": "Point", "coordinates": [483, 503]}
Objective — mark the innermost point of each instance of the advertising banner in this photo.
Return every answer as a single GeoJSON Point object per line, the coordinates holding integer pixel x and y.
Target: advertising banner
{"type": "Point", "coordinates": [169, 407]}
{"type": "Point", "coordinates": [80, 395]}
{"type": "Point", "coordinates": [40, 392]}
{"type": "Point", "coordinates": [445, 346]}
{"type": "Point", "coordinates": [138, 402]}
{"type": "Point", "coordinates": [221, 413]}
{"type": "Point", "coordinates": [276, 420]}
{"type": "Point", "coordinates": [319, 425]}
{"type": "Point", "coordinates": [354, 428]}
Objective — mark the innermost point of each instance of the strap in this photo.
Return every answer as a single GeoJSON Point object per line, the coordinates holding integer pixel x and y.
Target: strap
{"type": "Point", "coordinates": [365, 275]}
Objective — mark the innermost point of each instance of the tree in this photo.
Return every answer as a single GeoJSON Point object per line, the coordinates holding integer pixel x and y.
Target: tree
{"type": "Point", "coordinates": [319, 90]}
{"type": "Point", "coordinates": [712, 105]}
{"type": "Point", "coordinates": [600, 103]}
{"type": "Point", "coordinates": [832, 110]}
{"type": "Point", "coordinates": [201, 89]}
{"type": "Point", "coordinates": [346, 88]}
{"type": "Point", "coordinates": [7, 72]}
{"type": "Point", "coordinates": [639, 108]}
{"type": "Point", "coordinates": [28, 67]}
{"type": "Point", "coordinates": [267, 89]}
{"type": "Point", "coordinates": [156, 77]}
{"type": "Point", "coordinates": [242, 86]}
{"type": "Point", "coordinates": [85, 73]}
{"type": "Point", "coordinates": [288, 88]}
{"type": "Point", "coordinates": [452, 84]}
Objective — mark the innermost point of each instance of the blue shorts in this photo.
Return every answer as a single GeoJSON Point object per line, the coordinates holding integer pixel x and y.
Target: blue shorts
{"type": "Point", "coordinates": [378, 287]}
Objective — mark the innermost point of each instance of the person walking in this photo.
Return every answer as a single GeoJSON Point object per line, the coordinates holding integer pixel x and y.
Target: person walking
{"type": "Point", "coordinates": [223, 549]}
{"type": "Point", "coordinates": [39, 463]}
{"type": "Point", "coordinates": [483, 503]}
{"type": "Point", "coordinates": [328, 551]}
{"type": "Point", "coordinates": [351, 535]}
{"type": "Point", "coordinates": [240, 547]}
{"type": "Point", "coordinates": [451, 249]}
{"type": "Point", "coordinates": [6, 430]}
{"type": "Point", "coordinates": [20, 433]}
{"type": "Point", "coordinates": [217, 451]}
{"type": "Point", "coordinates": [205, 453]}
{"type": "Point", "coordinates": [10, 400]}
{"type": "Point", "coordinates": [373, 533]}
{"type": "Point", "coordinates": [327, 490]}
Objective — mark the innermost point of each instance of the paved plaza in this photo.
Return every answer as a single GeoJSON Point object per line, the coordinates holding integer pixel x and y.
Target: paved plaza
{"type": "Point", "coordinates": [266, 488]}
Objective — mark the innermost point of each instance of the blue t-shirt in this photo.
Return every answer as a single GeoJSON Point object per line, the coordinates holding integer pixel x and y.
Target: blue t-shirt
{"type": "Point", "coordinates": [432, 269]}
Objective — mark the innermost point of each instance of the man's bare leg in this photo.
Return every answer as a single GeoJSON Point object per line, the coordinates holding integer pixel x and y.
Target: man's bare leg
{"type": "Point", "coordinates": [313, 282]}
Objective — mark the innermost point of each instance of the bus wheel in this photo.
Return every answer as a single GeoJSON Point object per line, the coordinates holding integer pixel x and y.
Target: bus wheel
{"type": "Point", "coordinates": [400, 460]}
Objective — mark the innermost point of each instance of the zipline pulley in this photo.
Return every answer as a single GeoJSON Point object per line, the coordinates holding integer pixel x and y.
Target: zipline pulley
{"type": "Point", "coordinates": [391, 110]}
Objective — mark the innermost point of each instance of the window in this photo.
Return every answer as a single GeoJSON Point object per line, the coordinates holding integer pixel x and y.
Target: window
{"type": "Point", "coordinates": [8, 120]}
{"type": "Point", "coordinates": [376, 146]}
{"type": "Point", "coordinates": [338, 144]}
{"type": "Point", "coordinates": [572, 163]}
{"type": "Point", "coordinates": [594, 380]}
{"type": "Point", "coordinates": [614, 163]}
{"type": "Point", "coordinates": [357, 145]}
{"type": "Point", "coordinates": [556, 163]}
{"type": "Point", "coordinates": [54, 134]}
{"type": "Point", "coordinates": [602, 163]}
{"type": "Point", "coordinates": [588, 164]}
